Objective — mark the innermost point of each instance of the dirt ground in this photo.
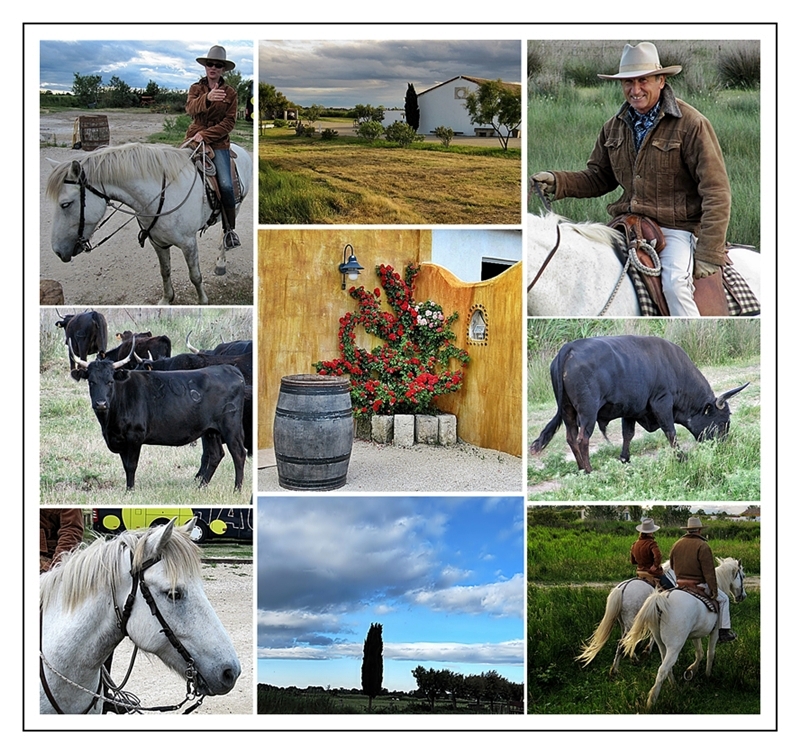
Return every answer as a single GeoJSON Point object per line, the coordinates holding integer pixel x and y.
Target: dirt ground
{"type": "Point", "coordinates": [229, 588]}
{"type": "Point", "coordinates": [108, 275]}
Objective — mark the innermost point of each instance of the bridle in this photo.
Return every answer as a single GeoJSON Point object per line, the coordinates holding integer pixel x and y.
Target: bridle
{"type": "Point", "coordinates": [115, 699]}
{"type": "Point", "coordinates": [84, 244]}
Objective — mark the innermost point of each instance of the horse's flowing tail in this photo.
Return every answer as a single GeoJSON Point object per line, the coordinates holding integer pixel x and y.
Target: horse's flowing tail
{"type": "Point", "coordinates": [603, 631]}
{"type": "Point", "coordinates": [645, 623]}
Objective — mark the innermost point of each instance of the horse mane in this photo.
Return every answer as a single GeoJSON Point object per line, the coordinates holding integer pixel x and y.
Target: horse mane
{"type": "Point", "coordinates": [591, 231]}
{"type": "Point", "coordinates": [726, 571]}
{"type": "Point", "coordinates": [90, 569]}
{"type": "Point", "coordinates": [108, 165]}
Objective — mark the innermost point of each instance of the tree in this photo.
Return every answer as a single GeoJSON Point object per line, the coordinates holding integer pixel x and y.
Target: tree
{"type": "Point", "coordinates": [86, 88]}
{"type": "Point", "coordinates": [430, 682]}
{"type": "Point", "coordinates": [412, 108]}
{"type": "Point", "coordinates": [365, 113]}
{"type": "Point", "coordinates": [119, 94]}
{"type": "Point", "coordinates": [402, 134]}
{"type": "Point", "coordinates": [497, 104]}
{"type": "Point", "coordinates": [271, 103]}
{"type": "Point", "coordinates": [372, 664]}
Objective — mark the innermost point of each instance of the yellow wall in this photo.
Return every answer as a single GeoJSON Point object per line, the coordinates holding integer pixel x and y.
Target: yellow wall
{"type": "Point", "coordinates": [300, 301]}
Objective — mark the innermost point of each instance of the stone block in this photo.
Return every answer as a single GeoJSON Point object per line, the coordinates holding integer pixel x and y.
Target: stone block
{"type": "Point", "coordinates": [448, 434]}
{"type": "Point", "coordinates": [382, 429]}
{"type": "Point", "coordinates": [403, 430]}
{"type": "Point", "coordinates": [426, 429]}
{"type": "Point", "coordinates": [363, 428]}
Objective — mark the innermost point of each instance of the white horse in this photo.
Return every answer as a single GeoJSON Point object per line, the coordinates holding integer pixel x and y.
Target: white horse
{"type": "Point", "coordinates": [581, 277]}
{"type": "Point", "coordinates": [161, 186]}
{"type": "Point", "coordinates": [142, 584]}
{"type": "Point", "coordinates": [674, 616]}
{"type": "Point", "coordinates": [623, 603]}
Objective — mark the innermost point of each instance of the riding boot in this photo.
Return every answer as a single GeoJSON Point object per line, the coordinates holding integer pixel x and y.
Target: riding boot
{"type": "Point", "coordinates": [229, 239]}
{"type": "Point", "coordinates": [725, 634]}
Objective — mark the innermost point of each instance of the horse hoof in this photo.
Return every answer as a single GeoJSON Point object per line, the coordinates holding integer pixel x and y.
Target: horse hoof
{"type": "Point", "coordinates": [220, 270]}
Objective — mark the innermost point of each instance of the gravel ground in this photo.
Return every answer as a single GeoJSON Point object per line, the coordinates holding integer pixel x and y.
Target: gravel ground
{"type": "Point", "coordinates": [421, 468]}
{"type": "Point", "coordinates": [230, 590]}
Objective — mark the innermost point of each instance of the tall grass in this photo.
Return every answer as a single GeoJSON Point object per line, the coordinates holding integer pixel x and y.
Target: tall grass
{"type": "Point", "coordinates": [568, 104]}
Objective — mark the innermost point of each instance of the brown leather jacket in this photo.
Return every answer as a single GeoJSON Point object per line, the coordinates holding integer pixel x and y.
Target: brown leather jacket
{"type": "Point", "coordinates": [216, 120]}
{"type": "Point", "coordinates": [60, 530]}
{"type": "Point", "coordinates": [691, 559]}
{"type": "Point", "coordinates": [677, 178]}
{"type": "Point", "coordinates": [646, 555]}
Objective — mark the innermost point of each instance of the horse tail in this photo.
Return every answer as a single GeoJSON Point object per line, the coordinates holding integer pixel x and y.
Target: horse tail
{"type": "Point", "coordinates": [540, 443]}
{"type": "Point", "coordinates": [603, 631]}
{"type": "Point", "coordinates": [645, 623]}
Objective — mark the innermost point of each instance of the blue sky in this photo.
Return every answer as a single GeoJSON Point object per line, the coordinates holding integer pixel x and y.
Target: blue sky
{"type": "Point", "coordinates": [171, 63]}
{"type": "Point", "coordinates": [444, 576]}
{"type": "Point", "coordinates": [339, 73]}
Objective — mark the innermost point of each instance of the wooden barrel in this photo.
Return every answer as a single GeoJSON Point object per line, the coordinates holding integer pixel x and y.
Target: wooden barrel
{"type": "Point", "coordinates": [92, 132]}
{"type": "Point", "coordinates": [313, 432]}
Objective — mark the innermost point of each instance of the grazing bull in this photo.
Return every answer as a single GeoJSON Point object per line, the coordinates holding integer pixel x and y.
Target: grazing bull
{"type": "Point", "coordinates": [85, 333]}
{"type": "Point", "coordinates": [638, 379]}
{"type": "Point", "coordinates": [148, 346]}
{"type": "Point", "coordinates": [168, 408]}
{"type": "Point", "coordinates": [232, 348]}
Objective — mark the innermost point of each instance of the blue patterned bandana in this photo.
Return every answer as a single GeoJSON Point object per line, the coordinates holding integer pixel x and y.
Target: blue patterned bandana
{"type": "Point", "coordinates": [641, 124]}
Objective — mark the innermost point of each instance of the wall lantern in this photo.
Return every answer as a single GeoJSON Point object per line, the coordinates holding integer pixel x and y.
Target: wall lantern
{"type": "Point", "coordinates": [350, 268]}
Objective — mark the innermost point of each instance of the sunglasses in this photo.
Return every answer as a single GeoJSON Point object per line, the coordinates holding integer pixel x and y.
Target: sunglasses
{"type": "Point", "coordinates": [214, 64]}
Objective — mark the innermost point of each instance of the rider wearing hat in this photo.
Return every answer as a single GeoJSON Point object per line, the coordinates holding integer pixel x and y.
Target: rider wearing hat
{"type": "Point", "coordinates": [645, 554]}
{"type": "Point", "coordinates": [693, 563]}
{"type": "Point", "coordinates": [212, 105]}
{"type": "Point", "coordinates": [667, 159]}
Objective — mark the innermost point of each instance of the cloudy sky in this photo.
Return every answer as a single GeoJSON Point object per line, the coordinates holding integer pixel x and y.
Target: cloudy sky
{"type": "Point", "coordinates": [171, 64]}
{"type": "Point", "coordinates": [444, 576]}
{"type": "Point", "coordinates": [345, 74]}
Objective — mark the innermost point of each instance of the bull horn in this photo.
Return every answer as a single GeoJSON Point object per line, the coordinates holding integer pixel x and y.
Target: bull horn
{"type": "Point", "coordinates": [189, 345]}
{"type": "Point", "coordinates": [722, 399]}
{"type": "Point", "coordinates": [80, 362]}
{"type": "Point", "coordinates": [118, 364]}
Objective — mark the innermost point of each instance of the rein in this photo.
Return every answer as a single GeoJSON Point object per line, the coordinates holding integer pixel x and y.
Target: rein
{"type": "Point", "coordinates": [119, 700]}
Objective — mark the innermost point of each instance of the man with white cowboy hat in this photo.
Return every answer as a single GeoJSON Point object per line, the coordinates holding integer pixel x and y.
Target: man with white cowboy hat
{"type": "Point", "coordinates": [693, 563]}
{"type": "Point", "coordinates": [213, 105]}
{"type": "Point", "coordinates": [665, 155]}
{"type": "Point", "coordinates": [645, 554]}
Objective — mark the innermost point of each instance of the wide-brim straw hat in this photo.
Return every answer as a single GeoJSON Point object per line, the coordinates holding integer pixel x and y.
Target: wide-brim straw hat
{"type": "Point", "coordinates": [217, 53]}
{"type": "Point", "coordinates": [693, 523]}
{"type": "Point", "coordinates": [641, 60]}
{"type": "Point", "coordinates": [647, 526]}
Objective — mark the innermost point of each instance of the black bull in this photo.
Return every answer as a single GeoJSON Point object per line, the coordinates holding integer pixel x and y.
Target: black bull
{"type": "Point", "coordinates": [85, 333]}
{"type": "Point", "coordinates": [638, 379]}
{"type": "Point", "coordinates": [168, 408]}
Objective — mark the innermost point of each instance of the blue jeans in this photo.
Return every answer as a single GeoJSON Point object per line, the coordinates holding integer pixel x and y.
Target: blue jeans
{"type": "Point", "coordinates": [222, 162]}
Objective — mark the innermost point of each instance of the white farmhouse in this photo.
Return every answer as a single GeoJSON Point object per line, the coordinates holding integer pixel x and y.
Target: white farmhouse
{"type": "Point", "coordinates": [444, 105]}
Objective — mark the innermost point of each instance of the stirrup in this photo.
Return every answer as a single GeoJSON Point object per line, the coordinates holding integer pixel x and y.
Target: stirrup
{"type": "Point", "coordinates": [230, 240]}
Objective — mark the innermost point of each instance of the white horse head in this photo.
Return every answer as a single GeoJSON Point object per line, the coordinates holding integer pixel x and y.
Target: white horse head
{"type": "Point", "coordinates": [144, 584]}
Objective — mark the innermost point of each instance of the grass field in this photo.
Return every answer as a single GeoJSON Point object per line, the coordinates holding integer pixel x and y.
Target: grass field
{"type": "Point", "coordinates": [76, 467]}
{"type": "Point", "coordinates": [348, 180]}
{"type": "Point", "coordinates": [567, 590]}
{"type": "Point", "coordinates": [726, 352]}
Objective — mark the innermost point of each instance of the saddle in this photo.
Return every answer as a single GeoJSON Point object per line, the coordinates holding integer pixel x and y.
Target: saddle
{"type": "Point", "coordinates": [691, 587]}
{"type": "Point", "coordinates": [642, 233]}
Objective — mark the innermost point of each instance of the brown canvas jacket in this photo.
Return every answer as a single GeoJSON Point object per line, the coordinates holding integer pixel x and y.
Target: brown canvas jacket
{"type": "Point", "coordinates": [215, 119]}
{"type": "Point", "coordinates": [60, 530]}
{"type": "Point", "coordinates": [646, 555]}
{"type": "Point", "coordinates": [691, 558]}
{"type": "Point", "coordinates": [678, 177]}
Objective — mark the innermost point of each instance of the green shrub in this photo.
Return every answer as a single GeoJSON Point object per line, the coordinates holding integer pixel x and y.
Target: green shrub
{"type": "Point", "coordinates": [329, 134]}
{"type": "Point", "coordinates": [444, 134]}
{"type": "Point", "coordinates": [401, 133]}
{"type": "Point", "coordinates": [370, 130]}
{"type": "Point", "coordinates": [740, 69]}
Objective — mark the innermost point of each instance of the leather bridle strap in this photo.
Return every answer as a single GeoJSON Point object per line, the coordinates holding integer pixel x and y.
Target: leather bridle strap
{"type": "Point", "coordinates": [547, 259]}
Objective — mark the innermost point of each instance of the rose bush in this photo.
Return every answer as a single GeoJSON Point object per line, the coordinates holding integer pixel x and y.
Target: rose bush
{"type": "Point", "coordinates": [412, 367]}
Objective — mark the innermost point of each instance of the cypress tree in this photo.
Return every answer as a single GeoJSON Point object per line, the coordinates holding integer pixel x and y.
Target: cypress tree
{"type": "Point", "coordinates": [372, 665]}
{"type": "Point", "coordinates": [412, 108]}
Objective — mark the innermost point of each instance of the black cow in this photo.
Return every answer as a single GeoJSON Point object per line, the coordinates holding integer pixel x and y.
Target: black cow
{"type": "Point", "coordinates": [638, 379]}
{"type": "Point", "coordinates": [85, 333]}
{"type": "Point", "coordinates": [187, 361]}
{"type": "Point", "coordinates": [168, 408]}
{"type": "Point", "coordinates": [147, 346]}
{"type": "Point", "coordinates": [232, 348]}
